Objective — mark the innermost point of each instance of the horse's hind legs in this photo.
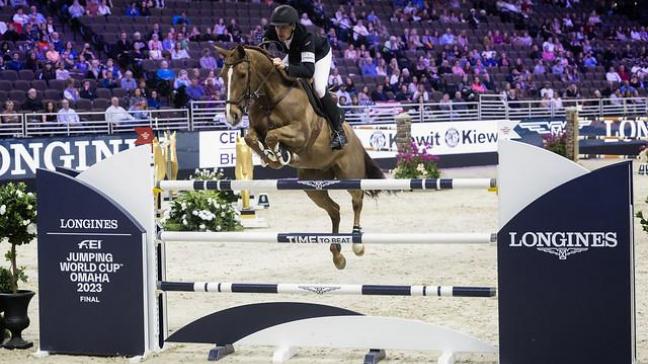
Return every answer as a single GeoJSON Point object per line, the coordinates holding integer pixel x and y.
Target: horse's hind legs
{"type": "Point", "coordinates": [323, 200]}
{"type": "Point", "coordinates": [356, 201]}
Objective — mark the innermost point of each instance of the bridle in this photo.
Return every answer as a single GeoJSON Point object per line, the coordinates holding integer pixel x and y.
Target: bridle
{"type": "Point", "coordinates": [248, 95]}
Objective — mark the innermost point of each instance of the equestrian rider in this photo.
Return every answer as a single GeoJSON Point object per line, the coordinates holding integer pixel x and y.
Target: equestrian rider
{"type": "Point", "coordinates": [309, 56]}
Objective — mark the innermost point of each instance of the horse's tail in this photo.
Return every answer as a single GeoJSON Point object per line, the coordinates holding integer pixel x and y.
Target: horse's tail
{"type": "Point", "coordinates": [372, 171]}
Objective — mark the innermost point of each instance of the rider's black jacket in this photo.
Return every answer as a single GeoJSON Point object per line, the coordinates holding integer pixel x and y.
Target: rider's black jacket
{"type": "Point", "coordinates": [305, 49]}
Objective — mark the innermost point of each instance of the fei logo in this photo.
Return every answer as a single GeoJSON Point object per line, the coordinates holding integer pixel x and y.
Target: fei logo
{"type": "Point", "coordinates": [452, 137]}
{"type": "Point", "coordinates": [563, 244]}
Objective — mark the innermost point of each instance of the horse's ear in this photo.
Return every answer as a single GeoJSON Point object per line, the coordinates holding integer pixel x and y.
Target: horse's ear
{"type": "Point", "coordinates": [225, 52]}
{"type": "Point", "coordinates": [240, 50]}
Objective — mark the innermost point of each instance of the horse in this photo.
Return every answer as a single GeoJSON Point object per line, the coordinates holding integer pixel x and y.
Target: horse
{"type": "Point", "coordinates": [285, 129]}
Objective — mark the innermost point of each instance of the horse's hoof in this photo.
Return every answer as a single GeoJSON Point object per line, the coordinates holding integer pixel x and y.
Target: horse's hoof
{"type": "Point", "coordinates": [285, 157]}
{"type": "Point", "coordinates": [358, 249]}
{"type": "Point", "coordinates": [339, 261]}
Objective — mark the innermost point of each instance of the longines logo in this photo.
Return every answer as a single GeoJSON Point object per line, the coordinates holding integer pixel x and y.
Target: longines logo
{"type": "Point", "coordinates": [320, 290]}
{"type": "Point", "coordinates": [318, 185]}
{"type": "Point", "coordinates": [563, 244]}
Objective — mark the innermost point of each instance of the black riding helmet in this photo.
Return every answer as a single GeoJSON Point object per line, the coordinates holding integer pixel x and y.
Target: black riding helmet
{"type": "Point", "coordinates": [284, 15]}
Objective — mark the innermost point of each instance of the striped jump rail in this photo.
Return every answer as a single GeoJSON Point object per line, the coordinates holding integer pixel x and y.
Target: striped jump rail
{"type": "Point", "coordinates": [608, 156]}
{"type": "Point", "coordinates": [328, 289]}
{"type": "Point", "coordinates": [611, 138]}
{"type": "Point", "coordinates": [328, 238]}
{"type": "Point", "coordinates": [347, 184]}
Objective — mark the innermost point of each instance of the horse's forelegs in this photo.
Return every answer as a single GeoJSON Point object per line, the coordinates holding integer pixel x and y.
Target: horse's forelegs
{"type": "Point", "coordinates": [356, 201]}
{"type": "Point", "coordinates": [290, 136]}
{"type": "Point", "coordinates": [323, 200]}
{"type": "Point", "coordinates": [252, 140]}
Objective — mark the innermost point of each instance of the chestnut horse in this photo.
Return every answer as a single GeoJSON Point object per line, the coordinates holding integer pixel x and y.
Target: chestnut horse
{"type": "Point", "coordinates": [286, 130]}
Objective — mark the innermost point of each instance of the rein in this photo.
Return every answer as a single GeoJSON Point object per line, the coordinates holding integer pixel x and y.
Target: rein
{"type": "Point", "coordinates": [248, 95]}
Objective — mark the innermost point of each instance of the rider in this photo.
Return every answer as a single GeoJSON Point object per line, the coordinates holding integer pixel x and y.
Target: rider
{"type": "Point", "coordinates": [309, 56]}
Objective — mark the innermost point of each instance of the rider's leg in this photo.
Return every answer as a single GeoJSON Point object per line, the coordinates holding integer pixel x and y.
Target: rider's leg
{"type": "Point", "coordinates": [333, 113]}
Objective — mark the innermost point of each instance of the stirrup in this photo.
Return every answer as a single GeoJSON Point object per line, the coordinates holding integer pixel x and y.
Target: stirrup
{"type": "Point", "coordinates": [338, 140]}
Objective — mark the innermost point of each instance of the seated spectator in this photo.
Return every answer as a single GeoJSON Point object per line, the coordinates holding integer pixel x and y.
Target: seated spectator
{"type": "Point", "coordinates": [207, 60]}
{"type": "Point", "coordinates": [623, 73]}
{"type": "Point", "coordinates": [92, 7]}
{"type": "Point", "coordinates": [590, 61]}
{"type": "Point", "coordinates": [87, 92]}
{"type": "Point", "coordinates": [116, 114]}
{"type": "Point", "coordinates": [139, 46]}
{"type": "Point", "coordinates": [403, 95]}
{"type": "Point", "coordinates": [447, 38]}
{"type": "Point", "coordinates": [71, 93]}
{"type": "Point", "coordinates": [128, 83]}
{"type": "Point", "coordinates": [182, 80]}
{"type": "Point", "coordinates": [180, 19]}
{"type": "Point", "coordinates": [104, 9]}
{"type": "Point", "coordinates": [363, 96]}
{"type": "Point", "coordinates": [628, 90]}
{"type": "Point", "coordinates": [379, 94]}
{"type": "Point", "coordinates": [107, 80]}
{"type": "Point", "coordinates": [164, 73]}
{"type": "Point", "coordinates": [421, 95]}
{"type": "Point", "coordinates": [195, 91]}
{"type": "Point", "coordinates": [15, 64]}
{"type": "Point", "coordinates": [50, 113]}
{"type": "Point", "coordinates": [61, 72]}
{"type": "Point", "coordinates": [214, 85]}
{"type": "Point", "coordinates": [178, 52]}
{"type": "Point", "coordinates": [145, 8]}
{"type": "Point", "coordinates": [572, 91]}
{"type": "Point", "coordinates": [136, 98]}
{"type": "Point", "coordinates": [67, 115]}
{"type": "Point", "coordinates": [153, 101]}
{"type": "Point", "coordinates": [9, 114]}
{"type": "Point", "coordinates": [155, 52]}
{"type": "Point", "coordinates": [76, 10]}
{"type": "Point", "coordinates": [47, 73]}
{"type": "Point", "coordinates": [32, 104]}
{"type": "Point", "coordinates": [139, 110]}
{"type": "Point", "coordinates": [20, 17]}
{"type": "Point", "coordinates": [477, 86]}
{"type": "Point", "coordinates": [613, 76]}
{"type": "Point", "coordinates": [132, 9]}
{"type": "Point", "coordinates": [368, 68]}
{"type": "Point", "coordinates": [94, 72]}
{"type": "Point", "coordinates": [35, 17]}
{"type": "Point", "coordinates": [547, 90]}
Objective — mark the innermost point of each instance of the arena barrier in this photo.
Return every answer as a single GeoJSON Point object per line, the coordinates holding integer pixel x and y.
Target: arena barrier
{"type": "Point", "coordinates": [565, 275]}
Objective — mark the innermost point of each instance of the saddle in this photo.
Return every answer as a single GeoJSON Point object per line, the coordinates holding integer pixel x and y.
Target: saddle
{"type": "Point", "coordinates": [312, 97]}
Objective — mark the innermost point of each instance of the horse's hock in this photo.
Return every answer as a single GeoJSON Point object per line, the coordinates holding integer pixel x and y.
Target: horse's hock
{"type": "Point", "coordinates": [403, 132]}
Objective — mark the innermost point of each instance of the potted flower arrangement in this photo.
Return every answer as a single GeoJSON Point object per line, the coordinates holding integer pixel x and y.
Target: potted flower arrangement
{"type": "Point", "coordinates": [556, 143]}
{"type": "Point", "coordinates": [17, 227]}
{"type": "Point", "coordinates": [203, 210]}
{"type": "Point", "coordinates": [416, 163]}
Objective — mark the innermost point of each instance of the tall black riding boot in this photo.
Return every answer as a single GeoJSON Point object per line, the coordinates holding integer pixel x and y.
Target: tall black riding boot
{"type": "Point", "coordinates": [334, 114]}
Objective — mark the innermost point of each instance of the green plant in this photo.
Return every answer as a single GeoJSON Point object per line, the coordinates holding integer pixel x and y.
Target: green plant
{"type": "Point", "coordinates": [642, 220]}
{"type": "Point", "coordinates": [17, 227]}
{"type": "Point", "coordinates": [416, 163]}
{"type": "Point", "coordinates": [556, 143]}
{"type": "Point", "coordinates": [201, 211]}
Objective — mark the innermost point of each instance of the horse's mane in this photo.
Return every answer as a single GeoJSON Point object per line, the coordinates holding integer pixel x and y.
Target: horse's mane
{"type": "Point", "coordinates": [289, 81]}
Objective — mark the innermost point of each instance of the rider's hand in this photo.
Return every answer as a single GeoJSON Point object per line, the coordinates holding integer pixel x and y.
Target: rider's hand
{"type": "Point", "coordinates": [277, 62]}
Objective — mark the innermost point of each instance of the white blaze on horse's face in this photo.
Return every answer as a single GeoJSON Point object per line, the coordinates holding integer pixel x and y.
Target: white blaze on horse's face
{"type": "Point", "coordinates": [228, 105]}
